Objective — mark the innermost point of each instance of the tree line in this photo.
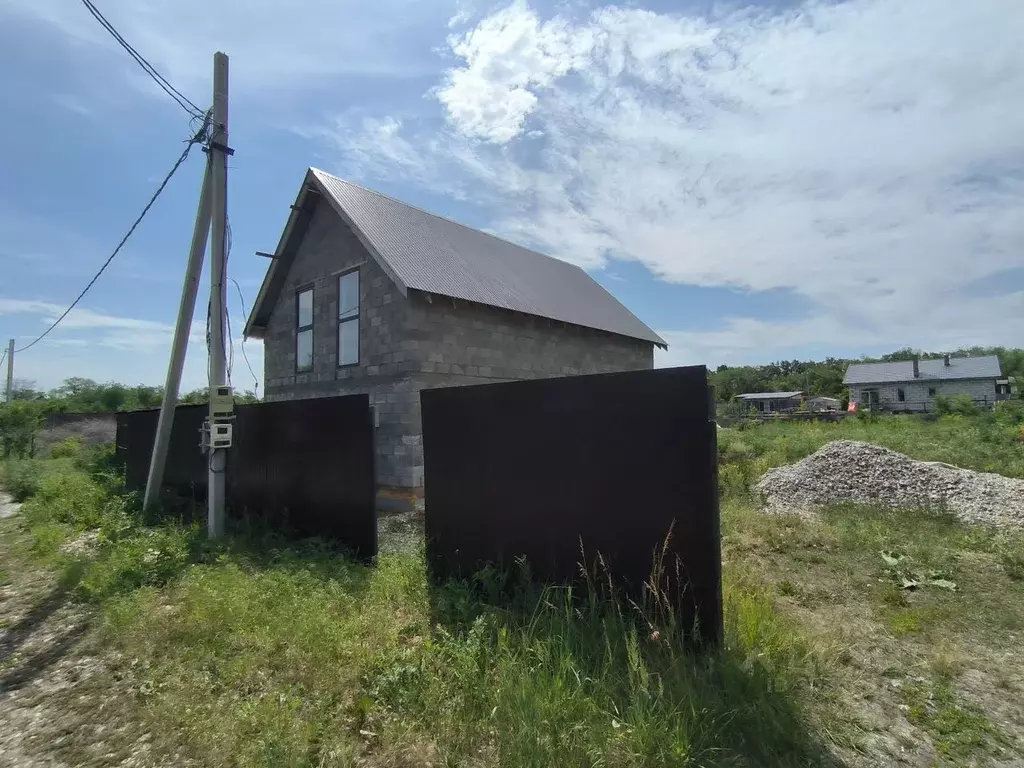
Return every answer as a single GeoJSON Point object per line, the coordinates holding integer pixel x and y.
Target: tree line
{"type": "Point", "coordinates": [826, 377]}
{"type": "Point", "coordinates": [80, 395]}
{"type": "Point", "coordinates": [29, 407]}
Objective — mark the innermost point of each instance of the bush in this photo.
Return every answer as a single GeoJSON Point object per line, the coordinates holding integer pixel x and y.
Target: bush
{"type": "Point", "coordinates": [19, 422]}
{"type": "Point", "coordinates": [960, 405]}
{"type": "Point", "coordinates": [1009, 412]}
{"type": "Point", "coordinates": [136, 557]}
{"type": "Point", "coordinates": [71, 498]}
{"type": "Point", "coordinates": [22, 478]}
{"type": "Point", "coordinates": [68, 448]}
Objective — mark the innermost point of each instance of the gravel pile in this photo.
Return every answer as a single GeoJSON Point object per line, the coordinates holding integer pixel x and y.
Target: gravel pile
{"type": "Point", "coordinates": [849, 471]}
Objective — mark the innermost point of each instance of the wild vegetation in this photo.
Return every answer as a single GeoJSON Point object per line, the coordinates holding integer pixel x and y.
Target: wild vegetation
{"type": "Point", "coordinates": [826, 377]}
{"type": "Point", "coordinates": [22, 418]}
{"type": "Point", "coordinates": [260, 652]}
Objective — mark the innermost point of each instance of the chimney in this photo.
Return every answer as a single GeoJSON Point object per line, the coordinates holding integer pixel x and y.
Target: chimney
{"type": "Point", "coordinates": [917, 369]}
{"type": "Point", "coordinates": [945, 360]}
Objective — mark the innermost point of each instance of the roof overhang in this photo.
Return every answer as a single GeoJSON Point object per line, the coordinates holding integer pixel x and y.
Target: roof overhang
{"type": "Point", "coordinates": [311, 193]}
{"type": "Point", "coordinates": [294, 231]}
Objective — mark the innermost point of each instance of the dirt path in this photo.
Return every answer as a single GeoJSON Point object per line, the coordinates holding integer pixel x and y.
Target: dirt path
{"type": "Point", "coordinates": [64, 699]}
{"type": "Point", "coordinates": [8, 506]}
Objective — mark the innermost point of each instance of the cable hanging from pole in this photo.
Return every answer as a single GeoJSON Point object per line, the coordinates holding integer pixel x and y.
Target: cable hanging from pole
{"type": "Point", "coordinates": [245, 313]}
{"type": "Point", "coordinates": [181, 99]}
{"type": "Point", "coordinates": [198, 138]}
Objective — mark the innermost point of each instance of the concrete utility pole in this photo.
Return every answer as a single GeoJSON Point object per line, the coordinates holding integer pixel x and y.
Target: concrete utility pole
{"type": "Point", "coordinates": [10, 370]}
{"type": "Point", "coordinates": [219, 198]}
{"type": "Point", "coordinates": [186, 308]}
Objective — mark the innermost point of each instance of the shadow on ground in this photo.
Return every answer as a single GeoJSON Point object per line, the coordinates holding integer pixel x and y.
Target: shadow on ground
{"type": "Point", "coordinates": [40, 639]}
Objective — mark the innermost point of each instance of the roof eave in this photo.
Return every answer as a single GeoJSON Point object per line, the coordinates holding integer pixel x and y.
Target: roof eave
{"type": "Point", "coordinates": [259, 316]}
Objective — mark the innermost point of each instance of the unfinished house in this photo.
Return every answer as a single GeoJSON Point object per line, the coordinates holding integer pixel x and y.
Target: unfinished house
{"type": "Point", "coordinates": [913, 385]}
{"type": "Point", "coordinates": [366, 294]}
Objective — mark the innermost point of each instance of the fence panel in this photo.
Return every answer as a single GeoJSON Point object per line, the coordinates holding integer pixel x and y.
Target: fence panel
{"type": "Point", "coordinates": [600, 464]}
{"type": "Point", "coordinates": [307, 464]}
{"type": "Point", "coordinates": [186, 468]}
{"type": "Point", "coordinates": [304, 464]}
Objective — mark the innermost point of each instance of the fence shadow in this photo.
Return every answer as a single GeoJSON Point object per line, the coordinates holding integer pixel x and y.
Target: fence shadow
{"type": "Point", "coordinates": [737, 709]}
{"type": "Point", "coordinates": [54, 639]}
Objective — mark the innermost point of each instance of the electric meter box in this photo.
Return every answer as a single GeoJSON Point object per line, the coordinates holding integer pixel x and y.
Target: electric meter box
{"type": "Point", "coordinates": [222, 403]}
{"type": "Point", "coordinates": [221, 437]}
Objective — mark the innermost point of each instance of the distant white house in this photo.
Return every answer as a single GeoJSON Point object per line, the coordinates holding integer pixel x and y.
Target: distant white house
{"type": "Point", "coordinates": [913, 385]}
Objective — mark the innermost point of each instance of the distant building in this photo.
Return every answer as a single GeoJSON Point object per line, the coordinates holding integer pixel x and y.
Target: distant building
{"type": "Point", "coordinates": [821, 404]}
{"type": "Point", "coordinates": [913, 385]}
{"type": "Point", "coordinates": [772, 402]}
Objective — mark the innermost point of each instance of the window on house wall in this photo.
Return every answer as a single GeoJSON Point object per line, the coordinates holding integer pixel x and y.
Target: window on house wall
{"type": "Point", "coordinates": [348, 318]}
{"type": "Point", "coordinates": [901, 395]}
{"type": "Point", "coordinates": [304, 330]}
{"type": "Point", "coordinates": [931, 391]}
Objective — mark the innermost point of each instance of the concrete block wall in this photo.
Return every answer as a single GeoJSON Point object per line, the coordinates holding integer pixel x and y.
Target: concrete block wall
{"type": "Point", "coordinates": [415, 342]}
{"type": "Point", "coordinates": [329, 249]}
{"type": "Point", "coordinates": [454, 339]}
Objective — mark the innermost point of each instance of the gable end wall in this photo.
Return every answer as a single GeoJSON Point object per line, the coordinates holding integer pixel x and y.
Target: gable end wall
{"type": "Point", "coordinates": [415, 342]}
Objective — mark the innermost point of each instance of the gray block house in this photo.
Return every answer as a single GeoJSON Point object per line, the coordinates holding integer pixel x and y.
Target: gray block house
{"type": "Point", "coordinates": [366, 294]}
{"type": "Point", "coordinates": [913, 385]}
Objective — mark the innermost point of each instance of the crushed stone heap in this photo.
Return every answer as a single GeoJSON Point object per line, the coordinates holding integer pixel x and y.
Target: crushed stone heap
{"type": "Point", "coordinates": [851, 471]}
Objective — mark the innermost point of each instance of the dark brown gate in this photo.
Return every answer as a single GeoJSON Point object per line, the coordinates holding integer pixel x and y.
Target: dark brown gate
{"type": "Point", "coordinates": [607, 463]}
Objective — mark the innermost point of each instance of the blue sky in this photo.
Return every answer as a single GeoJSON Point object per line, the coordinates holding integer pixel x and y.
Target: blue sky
{"type": "Point", "coordinates": [774, 181]}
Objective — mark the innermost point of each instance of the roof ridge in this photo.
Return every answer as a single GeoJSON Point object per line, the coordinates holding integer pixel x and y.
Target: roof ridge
{"type": "Point", "coordinates": [444, 218]}
{"type": "Point", "coordinates": [923, 359]}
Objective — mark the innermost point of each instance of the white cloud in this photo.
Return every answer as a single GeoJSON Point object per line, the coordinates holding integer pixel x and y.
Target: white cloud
{"type": "Point", "coordinates": [865, 154]}
{"type": "Point", "coordinates": [509, 55]}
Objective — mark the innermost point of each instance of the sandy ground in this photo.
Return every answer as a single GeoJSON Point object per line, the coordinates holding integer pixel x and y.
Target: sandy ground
{"type": "Point", "coordinates": [64, 699]}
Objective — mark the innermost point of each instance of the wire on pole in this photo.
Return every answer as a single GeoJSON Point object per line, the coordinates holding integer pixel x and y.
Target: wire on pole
{"type": "Point", "coordinates": [241, 300]}
{"type": "Point", "coordinates": [199, 137]}
{"type": "Point", "coordinates": [181, 99]}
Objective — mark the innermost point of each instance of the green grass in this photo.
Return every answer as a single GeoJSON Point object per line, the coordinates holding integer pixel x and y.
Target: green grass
{"type": "Point", "coordinates": [258, 652]}
{"type": "Point", "coordinates": [303, 657]}
{"type": "Point", "coordinates": [989, 442]}
{"type": "Point", "coordinates": [960, 729]}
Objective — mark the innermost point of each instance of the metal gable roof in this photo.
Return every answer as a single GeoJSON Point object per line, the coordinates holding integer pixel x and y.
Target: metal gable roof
{"type": "Point", "coordinates": [425, 252]}
{"type": "Point", "coordinates": [769, 395]}
{"type": "Point", "coordinates": [982, 367]}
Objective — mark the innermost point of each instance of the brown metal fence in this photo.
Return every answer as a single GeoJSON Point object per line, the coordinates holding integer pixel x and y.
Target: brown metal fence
{"type": "Point", "coordinates": [303, 465]}
{"type": "Point", "coordinates": [561, 470]}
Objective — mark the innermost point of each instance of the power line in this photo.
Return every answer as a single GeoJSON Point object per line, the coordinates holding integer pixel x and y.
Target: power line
{"type": "Point", "coordinates": [245, 357]}
{"type": "Point", "coordinates": [181, 99]}
{"type": "Point", "coordinates": [227, 312]}
{"type": "Point", "coordinates": [199, 137]}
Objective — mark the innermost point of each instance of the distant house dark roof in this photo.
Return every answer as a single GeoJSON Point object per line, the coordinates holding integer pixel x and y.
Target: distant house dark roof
{"type": "Point", "coordinates": [982, 367]}
{"type": "Point", "coordinates": [769, 395]}
{"type": "Point", "coordinates": [425, 252]}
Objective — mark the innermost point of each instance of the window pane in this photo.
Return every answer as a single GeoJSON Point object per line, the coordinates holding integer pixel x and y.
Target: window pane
{"type": "Point", "coordinates": [348, 294]}
{"type": "Point", "coordinates": [304, 350]}
{"type": "Point", "coordinates": [305, 308]}
{"type": "Point", "coordinates": [348, 342]}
